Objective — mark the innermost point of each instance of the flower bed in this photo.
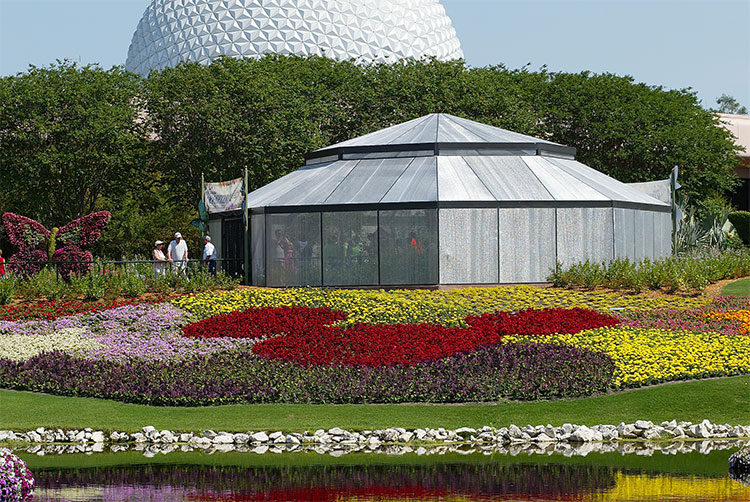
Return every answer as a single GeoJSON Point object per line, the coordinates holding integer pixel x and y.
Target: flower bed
{"type": "Point", "coordinates": [542, 322]}
{"type": "Point", "coordinates": [648, 356]}
{"type": "Point", "coordinates": [309, 339]}
{"type": "Point", "coordinates": [374, 346]}
{"type": "Point", "coordinates": [514, 371]}
{"type": "Point", "coordinates": [16, 481]}
{"type": "Point", "coordinates": [448, 308]}
{"type": "Point", "coordinates": [722, 315]}
{"type": "Point", "coordinates": [263, 322]}
{"type": "Point", "coordinates": [129, 332]}
{"type": "Point", "coordinates": [55, 310]}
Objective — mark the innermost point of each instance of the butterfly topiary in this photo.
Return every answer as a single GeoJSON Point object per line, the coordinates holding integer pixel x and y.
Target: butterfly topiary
{"type": "Point", "coordinates": [36, 244]}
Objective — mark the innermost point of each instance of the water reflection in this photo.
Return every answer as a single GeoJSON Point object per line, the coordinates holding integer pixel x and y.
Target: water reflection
{"type": "Point", "coordinates": [478, 482]}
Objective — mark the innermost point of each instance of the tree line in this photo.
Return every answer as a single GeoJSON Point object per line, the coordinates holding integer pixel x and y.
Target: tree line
{"type": "Point", "coordinates": [75, 139]}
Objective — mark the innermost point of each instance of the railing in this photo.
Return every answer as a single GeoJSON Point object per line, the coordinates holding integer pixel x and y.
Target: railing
{"type": "Point", "coordinates": [231, 267]}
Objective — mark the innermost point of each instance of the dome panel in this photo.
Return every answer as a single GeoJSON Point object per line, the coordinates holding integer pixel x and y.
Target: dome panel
{"type": "Point", "coordinates": [385, 30]}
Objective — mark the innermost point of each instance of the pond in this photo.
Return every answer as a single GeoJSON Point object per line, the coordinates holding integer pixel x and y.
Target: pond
{"type": "Point", "coordinates": [440, 474]}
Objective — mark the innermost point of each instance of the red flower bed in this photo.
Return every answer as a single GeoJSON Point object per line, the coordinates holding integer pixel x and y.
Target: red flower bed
{"type": "Point", "coordinates": [542, 322]}
{"type": "Point", "coordinates": [53, 310]}
{"type": "Point", "coordinates": [364, 345]}
{"type": "Point", "coordinates": [309, 339]}
{"type": "Point", "coordinates": [263, 322]}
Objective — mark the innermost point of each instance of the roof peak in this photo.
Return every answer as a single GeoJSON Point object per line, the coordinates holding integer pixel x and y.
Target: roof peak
{"type": "Point", "coordinates": [440, 134]}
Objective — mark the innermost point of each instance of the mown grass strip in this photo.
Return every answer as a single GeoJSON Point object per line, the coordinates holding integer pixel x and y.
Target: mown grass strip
{"type": "Point", "coordinates": [713, 464]}
{"type": "Point", "coordinates": [737, 288]}
{"type": "Point", "coordinates": [722, 400]}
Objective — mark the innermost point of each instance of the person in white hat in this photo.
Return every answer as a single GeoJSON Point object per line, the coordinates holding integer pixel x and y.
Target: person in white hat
{"type": "Point", "coordinates": [177, 254]}
{"type": "Point", "coordinates": [160, 261]}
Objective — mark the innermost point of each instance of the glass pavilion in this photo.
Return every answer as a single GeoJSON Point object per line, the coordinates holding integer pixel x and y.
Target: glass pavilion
{"type": "Point", "coordinates": [441, 201]}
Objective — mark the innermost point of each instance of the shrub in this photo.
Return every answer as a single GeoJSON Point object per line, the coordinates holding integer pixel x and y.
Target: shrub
{"type": "Point", "coordinates": [7, 289]}
{"type": "Point", "coordinates": [741, 222]}
{"type": "Point", "coordinates": [133, 285]}
{"type": "Point", "coordinates": [688, 272]}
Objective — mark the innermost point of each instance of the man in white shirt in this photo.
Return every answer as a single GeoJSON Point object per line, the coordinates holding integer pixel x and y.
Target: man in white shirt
{"type": "Point", "coordinates": [177, 254]}
{"type": "Point", "coordinates": [209, 255]}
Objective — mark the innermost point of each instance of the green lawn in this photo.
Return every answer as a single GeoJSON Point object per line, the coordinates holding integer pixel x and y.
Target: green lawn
{"type": "Point", "coordinates": [724, 400]}
{"type": "Point", "coordinates": [737, 288]}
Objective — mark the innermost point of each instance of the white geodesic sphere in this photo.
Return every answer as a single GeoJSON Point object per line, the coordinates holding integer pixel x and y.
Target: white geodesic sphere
{"type": "Point", "coordinates": [172, 31]}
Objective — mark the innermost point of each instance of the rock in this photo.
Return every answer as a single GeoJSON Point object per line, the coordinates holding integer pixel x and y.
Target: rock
{"type": "Point", "coordinates": [643, 424]}
{"type": "Point", "coordinates": [465, 432]}
{"type": "Point", "coordinates": [149, 428]}
{"type": "Point", "coordinates": [627, 431]}
{"type": "Point", "coordinates": [698, 431]}
{"type": "Point", "coordinates": [97, 437]}
{"type": "Point", "coordinates": [241, 438]}
{"type": "Point", "coordinates": [166, 436]}
{"type": "Point", "coordinates": [223, 438]}
{"type": "Point", "coordinates": [185, 437]}
{"type": "Point", "coordinates": [543, 438]}
{"type": "Point", "coordinates": [406, 437]}
{"type": "Point", "coordinates": [275, 435]}
{"type": "Point", "coordinates": [336, 431]}
{"type": "Point", "coordinates": [294, 440]}
{"type": "Point", "coordinates": [260, 437]}
{"type": "Point", "coordinates": [584, 435]}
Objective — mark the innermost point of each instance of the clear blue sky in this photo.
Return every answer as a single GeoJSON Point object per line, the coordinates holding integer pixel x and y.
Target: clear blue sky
{"type": "Point", "coordinates": [703, 44]}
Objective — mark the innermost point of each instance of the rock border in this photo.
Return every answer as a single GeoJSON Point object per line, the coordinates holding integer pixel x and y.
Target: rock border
{"type": "Point", "coordinates": [568, 433]}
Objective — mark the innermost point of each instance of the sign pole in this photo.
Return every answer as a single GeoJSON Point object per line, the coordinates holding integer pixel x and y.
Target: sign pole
{"type": "Point", "coordinates": [247, 231]}
{"type": "Point", "coordinates": [673, 190]}
{"type": "Point", "coordinates": [203, 199]}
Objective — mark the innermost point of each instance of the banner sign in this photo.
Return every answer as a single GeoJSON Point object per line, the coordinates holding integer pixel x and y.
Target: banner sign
{"type": "Point", "coordinates": [224, 196]}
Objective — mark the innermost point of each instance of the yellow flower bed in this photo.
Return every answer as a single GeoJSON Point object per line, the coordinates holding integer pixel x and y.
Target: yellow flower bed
{"type": "Point", "coordinates": [737, 315]}
{"type": "Point", "coordinates": [420, 306]}
{"type": "Point", "coordinates": [646, 356]}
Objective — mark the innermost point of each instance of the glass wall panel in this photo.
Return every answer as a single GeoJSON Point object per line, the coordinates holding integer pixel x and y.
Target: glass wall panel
{"type": "Point", "coordinates": [662, 235]}
{"type": "Point", "coordinates": [625, 234]}
{"type": "Point", "coordinates": [585, 234]}
{"type": "Point", "coordinates": [258, 248]}
{"type": "Point", "coordinates": [468, 246]}
{"type": "Point", "coordinates": [293, 251]}
{"type": "Point", "coordinates": [408, 247]}
{"type": "Point", "coordinates": [350, 248]}
{"type": "Point", "coordinates": [527, 244]}
{"type": "Point", "coordinates": [644, 235]}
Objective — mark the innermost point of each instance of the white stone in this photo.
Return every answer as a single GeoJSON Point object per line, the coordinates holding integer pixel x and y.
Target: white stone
{"type": "Point", "coordinates": [97, 437]}
{"type": "Point", "coordinates": [260, 437]}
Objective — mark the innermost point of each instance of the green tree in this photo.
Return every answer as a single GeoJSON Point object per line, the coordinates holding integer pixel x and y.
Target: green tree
{"type": "Point", "coordinates": [68, 135]}
{"type": "Point", "coordinates": [727, 104]}
{"type": "Point", "coordinates": [634, 132]}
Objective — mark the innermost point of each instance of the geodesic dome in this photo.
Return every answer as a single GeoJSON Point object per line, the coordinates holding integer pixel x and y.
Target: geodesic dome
{"type": "Point", "coordinates": [442, 200]}
{"type": "Point", "coordinates": [172, 31]}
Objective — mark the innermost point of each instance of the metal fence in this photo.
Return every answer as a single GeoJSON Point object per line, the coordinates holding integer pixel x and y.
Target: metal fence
{"type": "Point", "coordinates": [231, 267]}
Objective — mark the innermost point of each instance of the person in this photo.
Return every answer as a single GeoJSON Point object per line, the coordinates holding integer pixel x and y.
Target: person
{"type": "Point", "coordinates": [209, 254]}
{"type": "Point", "coordinates": [160, 261]}
{"type": "Point", "coordinates": [2, 265]}
{"type": "Point", "coordinates": [177, 254]}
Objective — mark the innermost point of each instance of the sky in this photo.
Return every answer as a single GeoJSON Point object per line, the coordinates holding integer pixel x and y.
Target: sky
{"type": "Point", "coordinates": [699, 44]}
